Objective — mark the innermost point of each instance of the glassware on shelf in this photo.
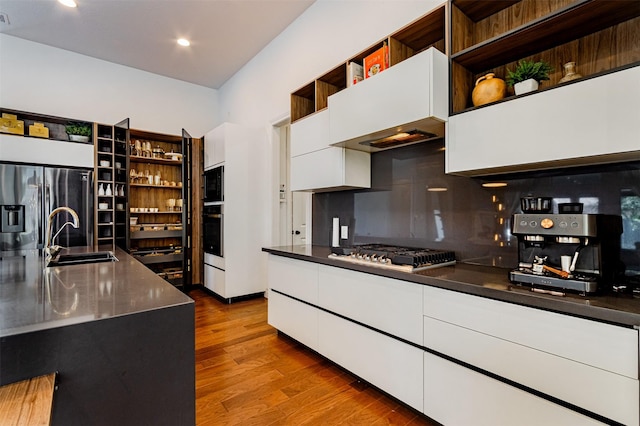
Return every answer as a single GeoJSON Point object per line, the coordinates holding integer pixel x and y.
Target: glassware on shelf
{"type": "Point", "coordinates": [171, 204]}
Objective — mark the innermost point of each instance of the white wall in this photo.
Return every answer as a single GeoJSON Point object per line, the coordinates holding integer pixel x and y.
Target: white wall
{"type": "Point", "coordinates": [46, 80]}
{"type": "Point", "coordinates": [325, 35]}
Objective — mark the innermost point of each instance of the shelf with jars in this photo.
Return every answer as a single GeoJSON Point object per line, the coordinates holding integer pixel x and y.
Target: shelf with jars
{"type": "Point", "coordinates": [110, 184]}
{"type": "Point", "coordinates": [156, 166]}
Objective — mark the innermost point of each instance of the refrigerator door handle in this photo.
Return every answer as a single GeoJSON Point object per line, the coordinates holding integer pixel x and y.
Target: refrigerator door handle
{"type": "Point", "coordinates": [40, 216]}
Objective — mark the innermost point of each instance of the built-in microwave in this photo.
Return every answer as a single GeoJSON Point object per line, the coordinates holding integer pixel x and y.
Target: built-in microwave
{"type": "Point", "coordinates": [214, 185]}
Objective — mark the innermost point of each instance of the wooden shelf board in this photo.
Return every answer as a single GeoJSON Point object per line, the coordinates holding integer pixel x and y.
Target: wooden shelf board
{"type": "Point", "coordinates": [424, 32]}
{"type": "Point", "coordinates": [136, 159]}
{"type": "Point", "coordinates": [570, 23]}
{"type": "Point", "coordinates": [478, 10]}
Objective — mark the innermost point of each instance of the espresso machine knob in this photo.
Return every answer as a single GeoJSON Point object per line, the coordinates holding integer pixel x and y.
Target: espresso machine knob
{"type": "Point", "coordinates": [546, 223]}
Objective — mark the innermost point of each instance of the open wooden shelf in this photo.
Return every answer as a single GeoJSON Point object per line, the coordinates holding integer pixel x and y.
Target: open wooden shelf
{"type": "Point", "coordinates": [600, 36]}
{"type": "Point", "coordinates": [425, 32]}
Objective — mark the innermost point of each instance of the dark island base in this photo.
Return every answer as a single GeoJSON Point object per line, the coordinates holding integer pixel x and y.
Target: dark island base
{"type": "Point", "coordinates": [129, 370]}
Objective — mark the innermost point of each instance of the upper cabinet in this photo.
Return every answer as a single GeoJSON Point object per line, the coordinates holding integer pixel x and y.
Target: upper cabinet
{"type": "Point", "coordinates": [42, 139]}
{"type": "Point", "coordinates": [582, 121]}
{"type": "Point", "coordinates": [411, 97]}
{"type": "Point", "coordinates": [394, 92]}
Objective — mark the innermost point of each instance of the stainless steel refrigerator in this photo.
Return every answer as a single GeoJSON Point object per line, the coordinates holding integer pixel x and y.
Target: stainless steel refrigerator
{"type": "Point", "coordinates": [29, 193]}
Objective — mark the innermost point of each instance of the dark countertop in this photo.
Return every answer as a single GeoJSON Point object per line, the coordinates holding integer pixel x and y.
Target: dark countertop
{"type": "Point", "coordinates": [34, 297]}
{"type": "Point", "coordinates": [490, 282]}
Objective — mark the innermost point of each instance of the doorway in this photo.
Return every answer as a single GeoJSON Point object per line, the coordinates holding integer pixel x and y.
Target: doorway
{"type": "Point", "coordinates": [294, 212]}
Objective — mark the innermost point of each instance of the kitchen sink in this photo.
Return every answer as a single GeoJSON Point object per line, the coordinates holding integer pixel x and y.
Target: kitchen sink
{"type": "Point", "coordinates": [82, 258]}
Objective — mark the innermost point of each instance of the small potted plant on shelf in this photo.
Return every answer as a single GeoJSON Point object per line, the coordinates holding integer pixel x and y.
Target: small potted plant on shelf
{"type": "Point", "coordinates": [528, 75]}
{"type": "Point", "coordinates": [78, 132]}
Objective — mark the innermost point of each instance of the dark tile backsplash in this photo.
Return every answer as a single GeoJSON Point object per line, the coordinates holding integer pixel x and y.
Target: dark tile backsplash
{"type": "Point", "coordinates": [405, 207]}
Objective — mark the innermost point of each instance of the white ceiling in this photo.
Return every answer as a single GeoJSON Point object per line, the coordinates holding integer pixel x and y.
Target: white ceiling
{"type": "Point", "coordinates": [224, 34]}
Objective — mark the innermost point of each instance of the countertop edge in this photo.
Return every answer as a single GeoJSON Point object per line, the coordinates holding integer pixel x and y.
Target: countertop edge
{"type": "Point", "coordinates": [578, 306]}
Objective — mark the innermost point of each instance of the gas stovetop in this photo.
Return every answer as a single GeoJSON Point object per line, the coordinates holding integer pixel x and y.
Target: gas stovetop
{"type": "Point", "coordinates": [406, 259]}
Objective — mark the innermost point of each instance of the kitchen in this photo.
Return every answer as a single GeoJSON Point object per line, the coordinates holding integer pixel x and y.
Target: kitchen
{"type": "Point", "coordinates": [410, 215]}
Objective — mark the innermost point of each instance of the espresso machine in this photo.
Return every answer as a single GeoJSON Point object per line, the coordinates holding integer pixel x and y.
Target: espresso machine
{"type": "Point", "coordinates": [567, 251]}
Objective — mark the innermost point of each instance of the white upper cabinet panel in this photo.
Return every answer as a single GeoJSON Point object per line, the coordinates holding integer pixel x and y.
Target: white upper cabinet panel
{"type": "Point", "coordinates": [413, 94]}
{"type": "Point", "coordinates": [590, 122]}
{"type": "Point", "coordinates": [310, 134]}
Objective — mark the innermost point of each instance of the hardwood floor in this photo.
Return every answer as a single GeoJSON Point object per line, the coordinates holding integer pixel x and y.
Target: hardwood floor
{"type": "Point", "coordinates": [248, 374]}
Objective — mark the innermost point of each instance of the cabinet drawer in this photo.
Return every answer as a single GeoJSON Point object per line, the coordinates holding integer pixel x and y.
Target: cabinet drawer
{"type": "Point", "coordinates": [597, 344]}
{"type": "Point", "coordinates": [296, 319]}
{"type": "Point", "coordinates": [457, 396]}
{"type": "Point", "coordinates": [389, 305]}
{"type": "Point", "coordinates": [295, 278]}
{"type": "Point", "coordinates": [608, 394]}
{"type": "Point", "coordinates": [214, 280]}
{"type": "Point", "coordinates": [387, 363]}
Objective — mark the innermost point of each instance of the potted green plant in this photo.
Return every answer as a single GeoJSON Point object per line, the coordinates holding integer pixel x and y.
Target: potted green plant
{"type": "Point", "coordinates": [528, 75]}
{"type": "Point", "coordinates": [78, 132]}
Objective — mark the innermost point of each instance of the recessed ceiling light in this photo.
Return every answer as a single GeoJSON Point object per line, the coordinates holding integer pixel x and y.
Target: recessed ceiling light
{"type": "Point", "coordinates": [68, 3]}
{"type": "Point", "coordinates": [494, 184]}
{"type": "Point", "coordinates": [184, 42]}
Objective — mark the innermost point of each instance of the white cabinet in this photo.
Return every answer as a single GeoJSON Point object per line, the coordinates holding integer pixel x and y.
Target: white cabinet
{"type": "Point", "coordinates": [392, 306]}
{"type": "Point", "coordinates": [586, 363]}
{"type": "Point", "coordinates": [214, 278]}
{"type": "Point", "coordinates": [295, 319]}
{"type": "Point", "coordinates": [317, 166]}
{"type": "Point", "coordinates": [243, 151]}
{"type": "Point", "coordinates": [214, 144]}
{"type": "Point", "coordinates": [331, 169]}
{"type": "Point", "coordinates": [413, 94]}
{"type": "Point", "coordinates": [25, 149]}
{"type": "Point", "coordinates": [294, 278]}
{"type": "Point", "coordinates": [588, 122]}
{"type": "Point", "coordinates": [387, 363]}
{"type": "Point", "coordinates": [302, 294]}
{"type": "Point", "coordinates": [457, 396]}
{"type": "Point", "coordinates": [289, 280]}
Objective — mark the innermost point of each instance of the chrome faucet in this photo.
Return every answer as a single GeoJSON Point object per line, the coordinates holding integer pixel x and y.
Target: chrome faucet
{"type": "Point", "coordinates": [50, 249]}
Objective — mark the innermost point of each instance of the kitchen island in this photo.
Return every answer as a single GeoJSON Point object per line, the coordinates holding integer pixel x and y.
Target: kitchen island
{"type": "Point", "coordinates": [463, 333]}
{"type": "Point", "coordinates": [120, 338]}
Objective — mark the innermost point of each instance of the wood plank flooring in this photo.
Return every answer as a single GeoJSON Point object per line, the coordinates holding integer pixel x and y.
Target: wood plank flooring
{"type": "Point", "coordinates": [248, 374]}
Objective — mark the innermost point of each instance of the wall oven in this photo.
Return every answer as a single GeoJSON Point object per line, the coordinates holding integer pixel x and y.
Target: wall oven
{"type": "Point", "coordinates": [214, 185]}
{"type": "Point", "coordinates": [213, 226]}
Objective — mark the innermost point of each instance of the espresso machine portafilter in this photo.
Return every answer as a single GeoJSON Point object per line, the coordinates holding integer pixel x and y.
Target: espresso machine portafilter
{"type": "Point", "coordinates": [590, 241]}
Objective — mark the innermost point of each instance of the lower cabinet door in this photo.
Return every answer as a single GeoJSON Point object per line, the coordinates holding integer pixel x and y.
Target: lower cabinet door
{"type": "Point", "coordinates": [214, 280]}
{"type": "Point", "coordinates": [294, 318]}
{"type": "Point", "coordinates": [455, 395]}
{"type": "Point", "coordinates": [387, 363]}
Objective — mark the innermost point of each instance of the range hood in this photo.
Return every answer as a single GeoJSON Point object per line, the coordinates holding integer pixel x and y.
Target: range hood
{"type": "Point", "coordinates": [407, 103]}
{"type": "Point", "coordinates": [408, 134]}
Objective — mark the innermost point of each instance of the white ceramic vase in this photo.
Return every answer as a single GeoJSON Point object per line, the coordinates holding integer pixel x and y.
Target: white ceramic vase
{"type": "Point", "coordinates": [525, 86]}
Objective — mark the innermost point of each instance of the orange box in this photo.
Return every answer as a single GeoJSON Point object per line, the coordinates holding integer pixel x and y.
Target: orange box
{"type": "Point", "coordinates": [377, 62]}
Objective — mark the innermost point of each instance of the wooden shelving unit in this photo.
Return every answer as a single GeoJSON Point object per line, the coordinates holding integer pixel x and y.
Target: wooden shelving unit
{"type": "Point", "coordinates": [427, 31]}
{"type": "Point", "coordinates": [110, 225]}
{"type": "Point", "coordinates": [492, 36]}
{"type": "Point", "coordinates": [158, 239]}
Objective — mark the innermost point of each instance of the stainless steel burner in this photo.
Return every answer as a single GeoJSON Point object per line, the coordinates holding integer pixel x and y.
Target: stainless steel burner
{"type": "Point", "coordinates": [406, 259]}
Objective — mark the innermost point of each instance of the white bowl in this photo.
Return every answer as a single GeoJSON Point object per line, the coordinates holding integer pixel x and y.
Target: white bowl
{"type": "Point", "coordinates": [103, 206]}
{"type": "Point", "coordinates": [105, 163]}
{"type": "Point", "coordinates": [133, 220]}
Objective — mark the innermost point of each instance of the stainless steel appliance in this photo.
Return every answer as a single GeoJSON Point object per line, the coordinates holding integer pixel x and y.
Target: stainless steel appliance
{"type": "Point", "coordinates": [591, 241]}
{"type": "Point", "coordinates": [214, 185]}
{"type": "Point", "coordinates": [406, 259]}
{"type": "Point", "coordinates": [29, 193]}
{"type": "Point", "coordinates": [213, 229]}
